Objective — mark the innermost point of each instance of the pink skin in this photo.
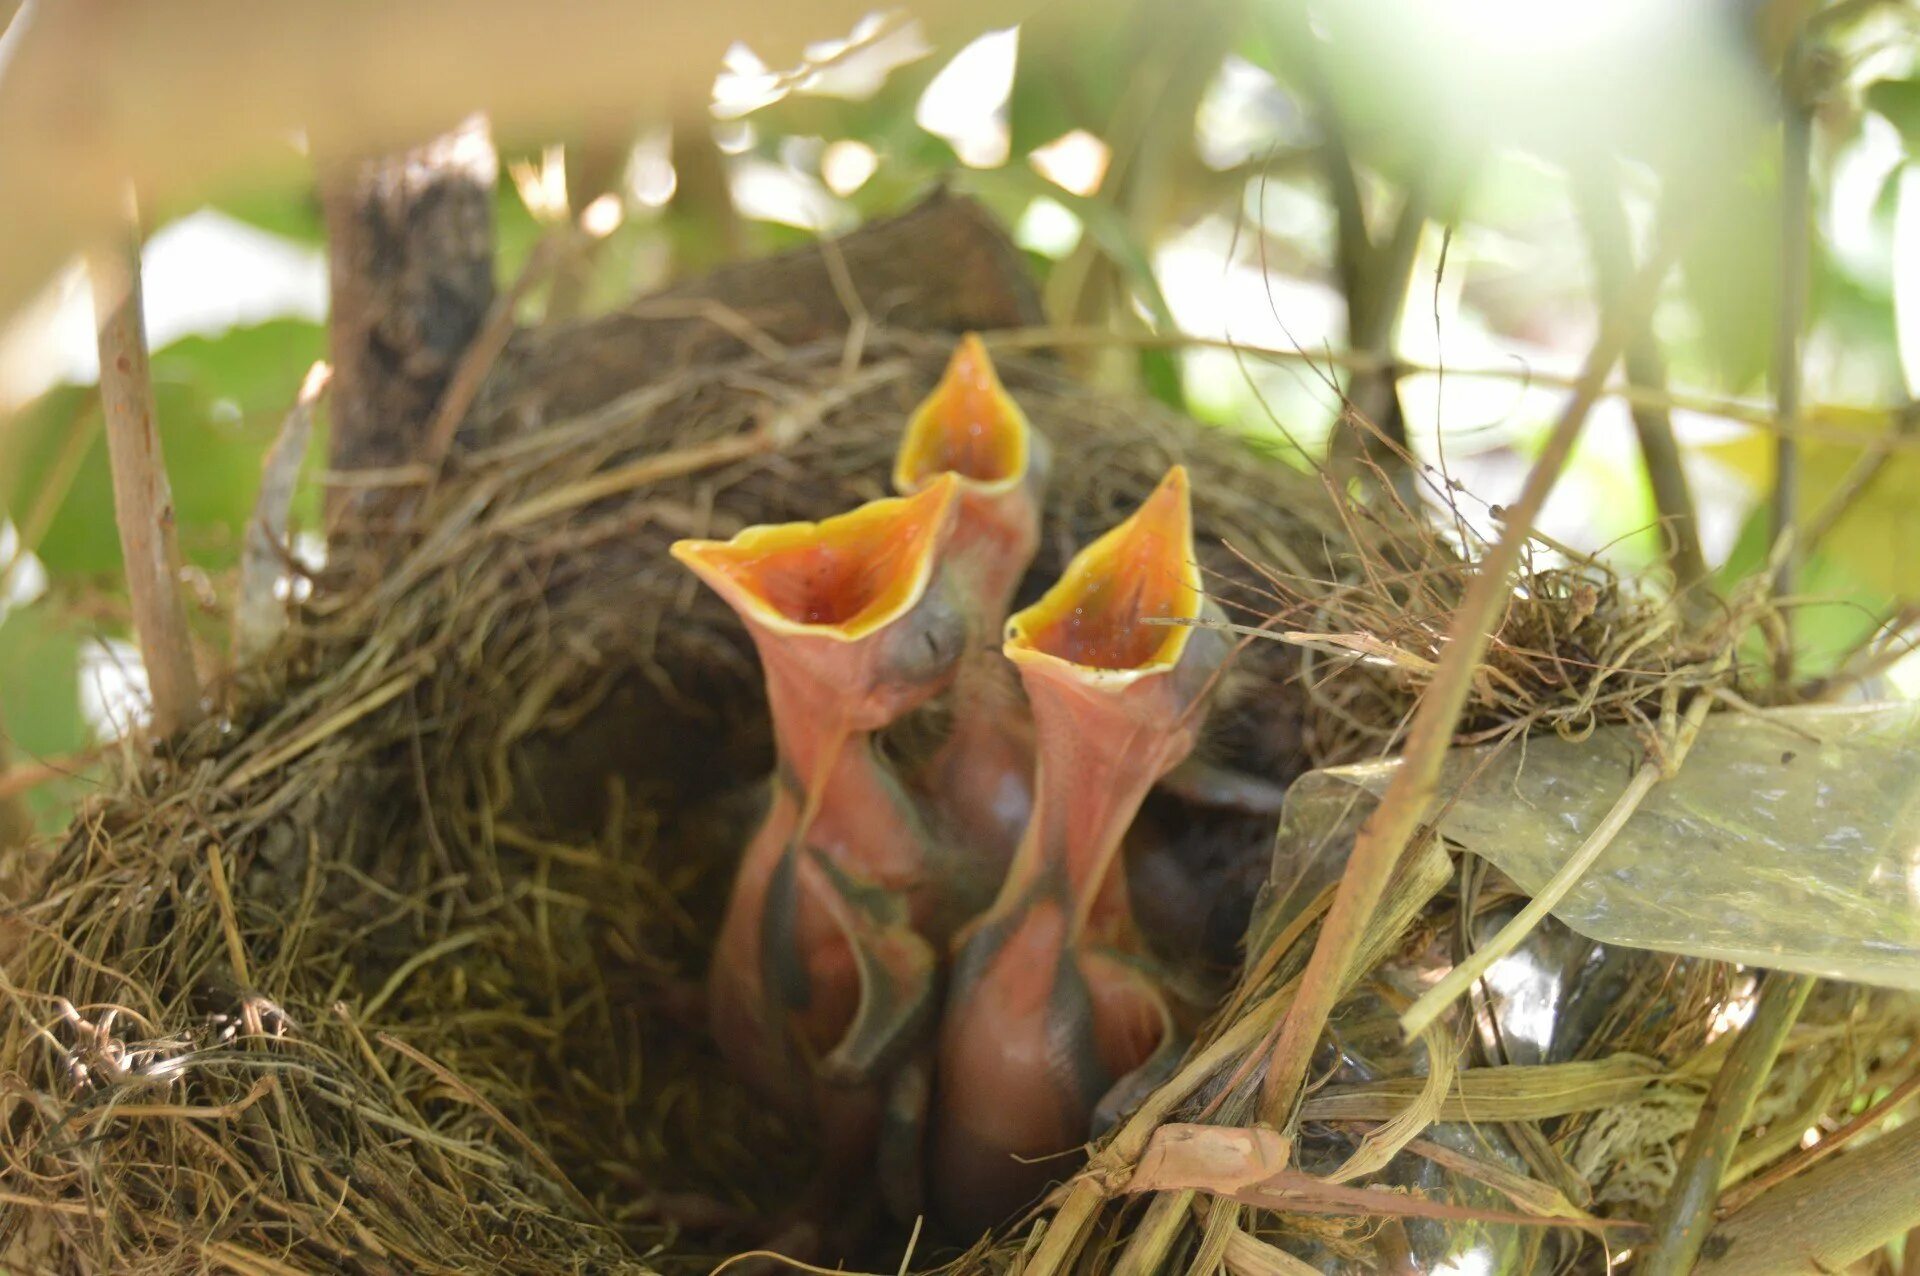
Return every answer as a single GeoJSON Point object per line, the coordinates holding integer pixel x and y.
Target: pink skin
{"type": "Point", "coordinates": [1051, 1011]}
{"type": "Point", "coordinates": [822, 976]}
{"type": "Point", "coordinates": [979, 782]}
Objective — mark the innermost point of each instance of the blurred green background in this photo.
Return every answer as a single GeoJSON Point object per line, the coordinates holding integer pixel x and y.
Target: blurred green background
{"type": "Point", "coordinates": [1303, 188]}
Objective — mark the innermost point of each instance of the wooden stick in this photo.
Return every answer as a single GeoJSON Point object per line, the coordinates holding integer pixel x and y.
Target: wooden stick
{"type": "Point", "coordinates": [142, 498]}
{"type": "Point", "coordinates": [1687, 1214]}
{"type": "Point", "coordinates": [1388, 831]}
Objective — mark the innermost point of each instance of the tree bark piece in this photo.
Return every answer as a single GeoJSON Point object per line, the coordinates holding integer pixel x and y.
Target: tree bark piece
{"type": "Point", "coordinates": [142, 497]}
{"type": "Point", "coordinates": [411, 264]}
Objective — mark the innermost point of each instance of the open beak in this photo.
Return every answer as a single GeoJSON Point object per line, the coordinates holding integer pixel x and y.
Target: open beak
{"type": "Point", "coordinates": [1123, 610]}
{"type": "Point", "coordinates": [971, 428]}
{"type": "Point", "coordinates": [968, 426]}
{"type": "Point", "coordinates": [840, 579]}
{"type": "Point", "coordinates": [1113, 664]}
{"type": "Point", "coordinates": [829, 603]}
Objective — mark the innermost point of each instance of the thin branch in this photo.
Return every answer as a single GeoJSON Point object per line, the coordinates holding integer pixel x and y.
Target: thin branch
{"type": "Point", "coordinates": [1843, 426]}
{"type": "Point", "coordinates": [142, 497]}
{"type": "Point", "coordinates": [1389, 830]}
{"type": "Point", "coordinates": [1611, 245]}
{"type": "Point", "coordinates": [258, 616]}
{"type": "Point", "coordinates": [1687, 1215]}
{"type": "Point", "coordinates": [16, 822]}
{"type": "Point", "coordinates": [1796, 156]}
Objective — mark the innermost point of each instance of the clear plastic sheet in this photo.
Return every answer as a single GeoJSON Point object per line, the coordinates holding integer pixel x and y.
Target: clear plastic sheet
{"type": "Point", "coordinates": [1790, 838]}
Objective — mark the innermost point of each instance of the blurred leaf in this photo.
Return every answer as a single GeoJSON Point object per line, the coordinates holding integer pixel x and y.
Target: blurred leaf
{"type": "Point", "coordinates": [1899, 102]}
{"type": "Point", "coordinates": [1731, 277]}
{"type": "Point", "coordinates": [1873, 552]}
{"type": "Point", "coordinates": [1845, 608]}
{"type": "Point", "coordinates": [1102, 221]}
{"type": "Point", "coordinates": [40, 682]}
{"type": "Point", "coordinates": [1160, 374]}
{"type": "Point", "coordinates": [220, 401]}
{"type": "Point", "coordinates": [292, 210]}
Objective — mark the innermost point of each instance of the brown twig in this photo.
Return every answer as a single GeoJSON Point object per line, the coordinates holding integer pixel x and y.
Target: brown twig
{"type": "Point", "coordinates": [142, 497]}
{"type": "Point", "coordinates": [1857, 481]}
{"type": "Point", "coordinates": [1390, 829]}
{"type": "Point", "coordinates": [1687, 1214]}
{"type": "Point", "coordinates": [470, 373]}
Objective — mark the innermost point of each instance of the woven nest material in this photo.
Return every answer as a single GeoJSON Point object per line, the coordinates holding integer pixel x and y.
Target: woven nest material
{"type": "Point", "coordinates": [387, 969]}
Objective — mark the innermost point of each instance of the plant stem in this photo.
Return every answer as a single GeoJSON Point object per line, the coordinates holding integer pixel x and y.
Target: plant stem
{"type": "Point", "coordinates": [142, 497]}
{"type": "Point", "coordinates": [1387, 832]}
{"type": "Point", "coordinates": [1687, 1215]}
{"type": "Point", "coordinates": [1796, 148]}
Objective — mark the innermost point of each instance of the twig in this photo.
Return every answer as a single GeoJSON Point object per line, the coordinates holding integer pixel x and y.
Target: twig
{"type": "Point", "coordinates": [1611, 245]}
{"type": "Point", "coordinates": [258, 616]}
{"type": "Point", "coordinates": [779, 432]}
{"type": "Point", "coordinates": [1687, 1214]}
{"type": "Point", "coordinates": [467, 1093]}
{"type": "Point", "coordinates": [31, 775]}
{"type": "Point", "coordinates": [16, 822]}
{"type": "Point", "coordinates": [1463, 976]}
{"type": "Point", "coordinates": [1827, 423]}
{"type": "Point", "coordinates": [142, 497]}
{"type": "Point", "coordinates": [1796, 156]}
{"type": "Point", "coordinates": [1390, 828]}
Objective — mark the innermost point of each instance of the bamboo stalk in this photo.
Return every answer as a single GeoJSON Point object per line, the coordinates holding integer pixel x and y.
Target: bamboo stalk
{"type": "Point", "coordinates": [142, 497]}
{"type": "Point", "coordinates": [1388, 831]}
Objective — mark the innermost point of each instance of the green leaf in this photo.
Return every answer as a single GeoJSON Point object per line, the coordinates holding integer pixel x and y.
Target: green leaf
{"type": "Point", "coordinates": [220, 401]}
{"type": "Point", "coordinates": [1731, 279]}
{"type": "Point", "coordinates": [40, 682]}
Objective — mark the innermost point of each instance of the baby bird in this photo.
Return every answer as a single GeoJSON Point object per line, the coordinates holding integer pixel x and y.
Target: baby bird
{"type": "Point", "coordinates": [1054, 1021]}
{"type": "Point", "coordinates": [979, 781]}
{"type": "Point", "coordinates": [822, 974]}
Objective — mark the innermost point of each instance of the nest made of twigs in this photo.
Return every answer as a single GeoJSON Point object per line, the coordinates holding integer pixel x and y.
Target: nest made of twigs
{"type": "Point", "coordinates": [386, 967]}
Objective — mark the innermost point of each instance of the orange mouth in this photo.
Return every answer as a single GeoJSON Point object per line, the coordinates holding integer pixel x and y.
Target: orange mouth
{"type": "Point", "coordinates": [968, 426]}
{"type": "Point", "coordinates": [1093, 620]}
{"type": "Point", "coordinates": [844, 577]}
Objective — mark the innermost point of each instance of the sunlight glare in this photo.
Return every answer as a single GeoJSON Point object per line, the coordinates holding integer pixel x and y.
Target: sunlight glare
{"type": "Point", "coordinates": [966, 104]}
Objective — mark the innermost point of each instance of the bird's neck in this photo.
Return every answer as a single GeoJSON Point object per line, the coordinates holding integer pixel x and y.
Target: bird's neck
{"type": "Point", "coordinates": [846, 795]}
{"type": "Point", "coordinates": [1087, 791]}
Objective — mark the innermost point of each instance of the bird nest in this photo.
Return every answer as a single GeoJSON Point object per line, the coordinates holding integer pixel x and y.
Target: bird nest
{"type": "Point", "coordinates": [387, 966]}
